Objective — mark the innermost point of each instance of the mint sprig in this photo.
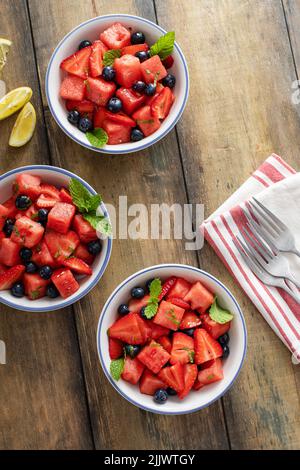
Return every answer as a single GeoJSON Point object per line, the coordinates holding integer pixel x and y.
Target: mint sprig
{"type": "Point", "coordinates": [110, 56]}
{"type": "Point", "coordinates": [152, 306]}
{"type": "Point", "coordinates": [116, 368]}
{"type": "Point", "coordinates": [163, 46]}
{"type": "Point", "coordinates": [97, 137]}
{"type": "Point", "coordinates": [218, 314]}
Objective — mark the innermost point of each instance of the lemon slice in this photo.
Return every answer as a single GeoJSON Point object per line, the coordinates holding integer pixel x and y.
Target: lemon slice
{"type": "Point", "coordinates": [24, 127]}
{"type": "Point", "coordinates": [4, 48]}
{"type": "Point", "coordinates": [14, 100]}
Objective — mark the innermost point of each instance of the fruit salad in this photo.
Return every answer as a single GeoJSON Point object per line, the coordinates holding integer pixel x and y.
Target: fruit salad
{"type": "Point", "coordinates": [48, 238]}
{"type": "Point", "coordinates": [118, 88]}
{"type": "Point", "coordinates": [171, 338]}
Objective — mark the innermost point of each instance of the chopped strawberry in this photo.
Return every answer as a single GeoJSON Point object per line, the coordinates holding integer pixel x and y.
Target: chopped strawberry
{"type": "Point", "coordinates": [145, 329]}
{"type": "Point", "coordinates": [115, 347]}
{"type": "Point", "coordinates": [3, 215]}
{"type": "Point", "coordinates": [197, 385]}
{"type": "Point", "coordinates": [72, 88]}
{"type": "Point", "coordinates": [154, 356]}
{"type": "Point", "coordinates": [50, 190]}
{"type": "Point", "coordinates": [61, 246]}
{"type": "Point", "coordinates": [133, 49]}
{"type": "Point", "coordinates": [84, 229]}
{"type": "Point", "coordinates": [116, 36]}
{"type": "Point", "coordinates": [206, 347]}
{"type": "Point", "coordinates": [65, 196]}
{"type": "Point", "coordinates": [173, 376]}
{"type": "Point", "coordinates": [27, 232]}
{"type": "Point", "coordinates": [169, 315]}
{"type": "Point", "coordinates": [133, 370]}
{"type": "Point", "coordinates": [28, 185]}
{"type": "Point", "coordinates": [189, 320]}
{"type": "Point", "coordinates": [9, 252]}
{"type": "Point", "coordinates": [78, 266]}
{"type": "Point", "coordinates": [127, 329]}
{"type": "Point", "coordinates": [99, 117]}
{"type": "Point", "coordinates": [179, 289]}
{"type": "Point", "coordinates": [65, 282]}
{"type": "Point", "coordinates": [83, 107]}
{"type": "Point", "coordinates": [157, 330]}
{"type": "Point", "coordinates": [211, 374]}
{"type": "Point", "coordinates": [149, 383]}
{"type": "Point", "coordinates": [42, 256]}
{"type": "Point", "coordinates": [213, 328]}
{"type": "Point", "coordinates": [165, 342]}
{"type": "Point", "coordinates": [45, 202]}
{"type": "Point", "coordinates": [168, 62]}
{"type": "Point", "coordinates": [166, 287]}
{"type": "Point", "coordinates": [12, 275]}
{"type": "Point", "coordinates": [199, 297]}
{"type": "Point", "coordinates": [78, 63]}
{"type": "Point", "coordinates": [120, 118]}
{"type": "Point", "coordinates": [3, 268]}
{"type": "Point", "coordinates": [161, 105]}
{"type": "Point", "coordinates": [99, 91]}
{"type": "Point", "coordinates": [96, 58]}
{"type": "Point", "coordinates": [146, 121]}
{"type": "Point", "coordinates": [190, 376]}
{"type": "Point", "coordinates": [60, 217]}
{"type": "Point", "coordinates": [182, 349]}
{"type": "Point", "coordinates": [83, 253]}
{"type": "Point", "coordinates": [179, 302]}
{"type": "Point", "coordinates": [35, 287]}
{"type": "Point", "coordinates": [135, 305]}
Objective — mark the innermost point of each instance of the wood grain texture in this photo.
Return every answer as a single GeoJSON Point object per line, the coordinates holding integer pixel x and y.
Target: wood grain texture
{"type": "Point", "coordinates": [42, 394]}
{"type": "Point", "coordinates": [239, 111]}
{"type": "Point", "coordinates": [153, 176]}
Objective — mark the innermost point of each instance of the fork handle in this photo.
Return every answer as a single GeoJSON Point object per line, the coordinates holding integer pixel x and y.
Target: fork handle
{"type": "Point", "coordinates": [291, 278]}
{"type": "Point", "coordinates": [289, 291]}
{"type": "Point", "coordinates": [296, 252]}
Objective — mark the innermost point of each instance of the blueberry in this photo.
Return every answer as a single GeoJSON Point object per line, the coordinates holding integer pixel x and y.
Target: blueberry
{"type": "Point", "coordinates": [171, 391]}
{"type": "Point", "coordinates": [31, 267]}
{"type": "Point", "coordinates": [148, 284]}
{"type": "Point", "coordinates": [108, 73]}
{"type": "Point", "coordinates": [85, 124]}
{"type": "Point", "coordinates": [123, 309]}
{"type": "Point", "coordinates": [84, 43]}
{"type": "Point", "coordinates": [150, 89]}
{"type": "Point", "coordinates": [142, 56]}
{"type": "Point", "coordinates": [137, 292]}
{"type": "Point", "coordinates": [94, 247]}
{"type": "Point", "coordinates": [73, 116]}
{"type": "Point", "coordinates": [169, 80]}
{"type": "Point", "coordinates": [17, 290]}
{"type": "Point", "coordinates": [137, 38]}
{"type": "Point", "coordinates": [189, 332]}
{"type": "Point", "coordinates": [52, 292]}
{"type": "Point", "coordinates": [8, 227]}
{"type": "Point", "coordinates": [136, 134]}
{"type": "Point", "coordinates": [224, 339]}
{"type": "Point", "coordinates": [226, 351]}
{"type": "Point", "coordinates": [132, 350]}
{"type": "Point", "coordinates": [25, 254]}
{"type": "Point", "coordinates": [23, 202]}
{"type": "Point", "coordinates": [142, 313]}
{"type": "Point", "coordinates": [114, 105]}
{"type": "Point", "coordinates": [160, 396]}
{"type": "Point", "coordinates": [139, 86]}
{"type": "Point", "coordinates": [45, 272]}
{"type": "Point", "coordinates": [42, 215]}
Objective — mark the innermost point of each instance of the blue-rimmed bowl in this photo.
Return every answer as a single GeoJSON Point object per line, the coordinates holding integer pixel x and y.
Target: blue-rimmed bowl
{"type": "Point", "coordinates": [90, 30]}
{"type": "Point", "coordinates": [58, 177]}
{"type": "Point", "coordinates": [196, 400]}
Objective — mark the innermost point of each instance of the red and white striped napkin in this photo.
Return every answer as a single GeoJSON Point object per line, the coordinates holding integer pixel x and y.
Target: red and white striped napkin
{"type": "Point", "coordinates": [272, 181]}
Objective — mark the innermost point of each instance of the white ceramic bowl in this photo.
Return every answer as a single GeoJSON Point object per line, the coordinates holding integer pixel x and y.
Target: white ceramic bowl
{"type": "Point", "coordinates": [90, 30]}
{"type": "Point", "coordinates": [196, 400]}
{"type": "Point", "coordinates": [58, 177]}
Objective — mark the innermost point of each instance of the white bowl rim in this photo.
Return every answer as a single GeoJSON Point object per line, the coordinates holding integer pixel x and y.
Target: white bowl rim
{"type": "Point", "coordinates": [119, 287]}
{"type": "Point", "coordinates": [109, 148]}
{"type": "Point", "coordinates": [89, 287]}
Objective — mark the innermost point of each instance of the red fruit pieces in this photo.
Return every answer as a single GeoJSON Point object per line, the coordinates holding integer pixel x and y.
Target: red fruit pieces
{"type": "Point", "coordinates": [64, 282]}
{"type": "Point", "coordinates": [189, 320]}
{"type": "Point", "coordinates": [50, 191]}
{"type": "Point", "coordinates": [161, 105]}
{"type": "Point", "coordinates": [127, 329]}
{"type": "Point", "coordinates": [168, 62]}
{"type": "Point", "coordinates": [96, 58]}
{"type": "Point", "coordinates": [190, 376]}
{"type": "Point", "coordinates": [65, 196]}
{"type": "Point", "coordinates": [167, 286]}
{"type": "Point", "coordinates": [120, 118]}
{"type": "Point", "coordinates": [199, 297]}
{"type": "Point", "coordinates": [9, 252]}
{"type": "Point", "coordinates": [10, 276]}
{"type": "Point", "coordinates": [35, 287]}
{"type": "Point", "coordinates": [116, 36]}
{"type": "Point", "coordinates": [28, 185]}
{"type": "Point", "coordinates": [213, 328]}
{"type": "Point", "coordinates": [157, 331]}
{"type": "Point", "coordinates": [26, 232]}
{"type": "Point", "coordinates": [179, 302]}
{"type": "Point", "coordinates": [10, 205]}
{"type": "Point", "coordinates": [83, 107]}
{"type": "Point", "coordinates": [133, 49]}
{"type": "Point", "coordinates": [78, 63]}
{"type": "Point", "coordinates": [211, 374]}
{"type": "Point", "coordinates": [99, 91]}
{"type": "Point", "coordinates": [117, 133]}
{"type": "Point", "coordinates": [83, 253]}
{"type": "Point", "coordinates": [3, 215]}
{"type": "Point", "coordinates": [135, 305]}
{"type": "Point", "coordinates": [72, 88]}
{"type": "Point", "coordinates": [128, 70]}
{"type": "Point", "coordinates": [131, 100]}
{"type": "Point", "coordinates": [173, 376]}
{"type": "Point", "coordinates": [115, 348]}
{"type": "Point", "coordinates": [45, 202]}
{"type": "Point", "coordinates": [42, 256]}
{"type": "Point", "coordinates": [169, 315]}
{"type": "Point", "coordinates": [60, 217]}
{"type": "Point", "coordinates": [144, 119]}
{"type": "Point", "coordinates": [99, 117]}
{"type": "Point", "coordinates": [206, 347]}
{"type": "Point", "coordinates": [179, 289]}
{"type": "Point", "coordinates": [133, 370]}
{"type": "Point", "coordinates": [61, 246]}
{"type": "Point", "coordinates": [149, 383]}
{"type": "Point", "coordinates": [3, 268]}
{"type": "Point", "coordinates": [182, 349]}
{"type": "Point", "coordinates": [78, 266]}
{"type": "Point", "coordinates": [84, 229]}
{"type": "Point", "coordinates": [153, 69]}
{"type": "Point", "coordinates": [166, 343]}
{"type": "Point", "coordinates": [154, 356]}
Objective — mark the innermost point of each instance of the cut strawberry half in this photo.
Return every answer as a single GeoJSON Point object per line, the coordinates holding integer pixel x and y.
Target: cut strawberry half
{"type": "Point", "coordinates": [78, 63]}
{"type": "Point", "coordinates": [133, 49]}
{"type": "Point", "coordinates": [9, 252]}
{"type": "Point", "coordinates": [84, 229]}
{"type": "Point", "coordinates": [65, 196]}
{"type": "Point", "coordinates": [161, 105]}
{"type": "Point", "coordinates": [65, 282]}
{"type": "Point", "coordinates": [135, 305]}
{"type": "Point", "coordinates": [189, 320]}
{"type": "Point", "coordinates": [167, 285]}
{"type": "Point", "coordinates": [182, 349]}
{"type": "Point", "coordinates": [50, 190]}
{"type": "Point", "coordinates": [133, 370]}
{"type": "Point", "coordinates": [190, 376]}
{"type": "Point", "coordinates": [179, 289]}
{"type": "Point", "coordinates": [96, 58]}
{"type": "Point", "coordinates": [213, 328]}
{"type": "Point", "coordinates": [83, 253]}
{"type": "Point", "coordinates": [211, 374]}
{"type": "Point", "coordinates": [9, 277]}
{"type": "Point", "coordinates": [45, 202]}
{"type": "Point", "coordinates": [78, 266]}
{"type": "Point", "coordinates": [168, 62]}
{"type": "Point", "coordinates": [115, 347]}
{"type": "Point", "coordinates": [199, 297]}
{"type": "Point", "coordinates": [179, 302]}
{"type": "Point", "coordinates": [165, 342]}
{"type": "Point", "coordinates": [127, 329]}
{"type": "Point", "coordinates": [149, 383]}
{"type": "Point", "coordinates": [61, 246]}
{"type": "Point", "coordinates": [42, 256]}
{"type": "Point", "coordinates": [173, 377]}
{"type": "Point", "coordinates": [154, 356]}
{"type": "Point", "coordinates": [157, 330]}
{"type": "Point", "coordinates": [206, 347]}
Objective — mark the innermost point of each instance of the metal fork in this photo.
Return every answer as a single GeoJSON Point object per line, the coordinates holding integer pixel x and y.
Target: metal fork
{"type": "Point", "coordinates": [265, 277]}
{"type": "Point", "coordinates": [273, 228]}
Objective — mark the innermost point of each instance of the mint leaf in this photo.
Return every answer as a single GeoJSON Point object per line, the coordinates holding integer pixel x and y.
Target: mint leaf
{"type": "Point", "coordinates": [97, 137]}
{"type": "Point", "coordinates": [164, 46]}
{"type": "Point", "coordinates": [99, 222]}
{"type": "Point", "coordinates": [110, 56]}
{"type": "Point", "coordinates": [116, 368]}
{"type": "Point", "coordinates": [80, 195]}
{"type": "Point", "coordinates": [152, 306]}
{"type": "Point", "coordinates": [218, 314]}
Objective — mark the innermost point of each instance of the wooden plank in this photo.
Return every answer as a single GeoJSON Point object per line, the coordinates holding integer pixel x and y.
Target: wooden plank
{"type": "Point", "coordinates": [42, 394]}
{"type": "Point", "coordinates": [240, 111]}
{"type": "Point", "coordinates": [153, 176]}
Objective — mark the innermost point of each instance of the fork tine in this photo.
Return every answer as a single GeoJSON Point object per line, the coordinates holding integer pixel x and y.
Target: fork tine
{"type": "Point", "coordinates": [256, 268]}
{"type": "Point", "coordinates": [264, 220]}
{"type": "Point", "coordinates": [253, 250]}
{"type": "Point", "coordinates": [275, 219]}
{"type": "Point", "coordinates": [264, 249]}
{"type": "Point", "coordinates": [259, 231]}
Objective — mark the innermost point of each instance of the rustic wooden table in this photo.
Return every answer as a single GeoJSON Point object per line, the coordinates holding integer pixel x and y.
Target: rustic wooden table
{"type": "Point", "coordinates": [243, 57]}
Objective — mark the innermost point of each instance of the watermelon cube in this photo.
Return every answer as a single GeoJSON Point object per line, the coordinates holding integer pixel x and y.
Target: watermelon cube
{"type": "Point", "coordinates": [211, 374]}
{"type": "Point", "coordinates": [10, 276]}
{"type": "Point", "coordinates": [117, 133]}
{"type": "Point", "coordinates": [61, 246]}
{"type": "Point", "coordinates": [99, 91]}
{"type": "Point", "coordinates": [157, 331]}
{"type": "Point", "coordinates": [133, 49]}
{"type": "Point", "coordinates": [60, 217]}
{"type": "Point", "coordinates": [42, 256]}
{"type": "Point", "coordinates": [131, 100]}
{"type": "Point", "coordinates": [127, 329]}
{"type": "Point", "coordinates": [3, 268]}
{"type": "Point", "coordinates": [154, 356]}
{"type": "Point", "coordinates": [180, 289]}
{"type": "Point", "coordinates": [35, 287]}
{"type": "Point", "coordinates": [28, 185]}
{"type": "Point", "coordinates": [133, 370]}
{"type": "Point", "coordinates": [149, 383]}
{"type": "Point", "coordinates": [84, 229]}
{"type": "Point", "coordinates": [153, 70]}
{"type": "Point", "coordinates": [3, 215]}
{"type": "Point", "coordinates": [9, 252]}
{"type": "Point", "coordinates": [144, 119]}
{"type": "Point", "coordinates": [72, 88]}
{"type": "Point", "coordinates": [26, 232]}
{"type": "Point", "coordinates": [116, 36]}
{"type": "Point", "coordinates": [10, 205]}
{"type": "Point", "coordinates": [169, 315]}
{"type": "Point", "coordinates": [166, 343]}
{"type": "Point", "coordinates": [65, 282]}
{"type": "Point", "coordinates": [99, 117]}
{"type": "Point", "coordinates": [183, 349]}
{"type": "Point", "coordinates": [128, 70]}
{"type": "Point", "coordinates": [213, 328]}
{"type": "Point", "coordinates": [199, 297]}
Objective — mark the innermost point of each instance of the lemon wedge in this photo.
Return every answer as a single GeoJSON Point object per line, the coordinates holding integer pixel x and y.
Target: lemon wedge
{"type": "Point", "coordinates": [14, 100]}
{"type": "Point", "coordinates": [24, 127]}
{"type": "Point", "coordinates": [4, 48]}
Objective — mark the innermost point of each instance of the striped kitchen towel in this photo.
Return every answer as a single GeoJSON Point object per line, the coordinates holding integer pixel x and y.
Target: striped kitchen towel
{"type": "Point", "coordinates": [277, 185]}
